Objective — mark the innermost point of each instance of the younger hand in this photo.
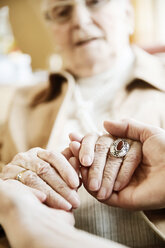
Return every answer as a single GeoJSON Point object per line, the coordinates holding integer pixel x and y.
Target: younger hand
{"type": "Point", "coordinates": [146, 188]}
{"type": "Point", "coordinates": [36, 224]}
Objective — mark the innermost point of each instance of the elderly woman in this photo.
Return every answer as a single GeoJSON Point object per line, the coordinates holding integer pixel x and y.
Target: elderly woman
{"type": "Point", "coordinates": [104, 77]}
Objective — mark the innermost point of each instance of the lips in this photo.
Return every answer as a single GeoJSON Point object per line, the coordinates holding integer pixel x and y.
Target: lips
{"type": "Point", "coordinates": [86, 41]}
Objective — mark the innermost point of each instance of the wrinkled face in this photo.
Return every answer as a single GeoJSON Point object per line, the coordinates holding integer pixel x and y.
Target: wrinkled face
{"type": "Point", "coordinates": [90, 34]}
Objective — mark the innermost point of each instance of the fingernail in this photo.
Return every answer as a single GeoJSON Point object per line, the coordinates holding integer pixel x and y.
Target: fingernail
{"type": "Point", "coordinates": [102, 194]}
{"type": "Point", "coordinates": [93, 184]}
{"type": "Point", "coordinates": [117, 186]}
{"type": "Point", "coordinates": [86, 160]}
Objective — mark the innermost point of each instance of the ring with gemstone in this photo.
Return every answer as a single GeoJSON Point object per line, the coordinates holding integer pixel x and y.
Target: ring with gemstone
{"type": "Point", "coordinates": [119, 148]}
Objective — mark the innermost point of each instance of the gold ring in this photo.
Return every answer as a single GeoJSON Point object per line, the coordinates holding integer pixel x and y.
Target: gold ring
{"type": "Point", "coordinates": [19, 175]}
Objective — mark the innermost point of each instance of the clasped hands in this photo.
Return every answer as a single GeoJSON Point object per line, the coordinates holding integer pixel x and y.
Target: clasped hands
{"type": "Point", "coordinates": [57, 174]}
{"type": "Point", "coordinates": [123, 182]}
{"type": "Point", "coordinates": [136, 184]}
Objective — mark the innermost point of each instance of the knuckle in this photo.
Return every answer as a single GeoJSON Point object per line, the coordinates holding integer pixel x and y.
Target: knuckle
{"type": "Point", "coordinates": [62, 188]}
{"type": "Point", "coordinates": [29, 178]}
{"type": "Point", "coordinates": [52, 156]}
{"type": "Point", "coordinates": [109, 180]}
{"type": "Point", "coordinates": [109, 170]}
{"type": "Point", "coordinates": [101, 148]}
{"type": "Point", "coordinates": [6, 168]}
{"type": "Point", "coordinates": [95, 170]}
{"type": "Point", "coordinates": [70, 195]}
{"type": "Point", "coordinates": [109, 176]}
{"type": "Point", "coordinates": [43, 169]}
{"type": "Point", "coordinates": [19, 156]}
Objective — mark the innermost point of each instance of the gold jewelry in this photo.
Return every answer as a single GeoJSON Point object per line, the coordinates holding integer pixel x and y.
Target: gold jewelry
{"type": "Point", "coordinates": [19, 175]}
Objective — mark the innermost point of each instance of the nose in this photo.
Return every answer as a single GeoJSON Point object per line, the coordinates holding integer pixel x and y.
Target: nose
{"type": "Point", "coordinates": [81, 16]}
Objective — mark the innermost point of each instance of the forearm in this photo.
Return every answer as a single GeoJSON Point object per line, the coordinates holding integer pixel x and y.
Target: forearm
{"type": "Point", "coordinates": [60, 236]}
{"type": "Point", "coordinates": [28, 223]}
{"type": "Point", "coordinates": [83, 239]}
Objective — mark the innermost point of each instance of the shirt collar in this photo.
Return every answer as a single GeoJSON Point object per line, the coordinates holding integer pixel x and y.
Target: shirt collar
{"type": "Point", "coordinates": [149, 69]}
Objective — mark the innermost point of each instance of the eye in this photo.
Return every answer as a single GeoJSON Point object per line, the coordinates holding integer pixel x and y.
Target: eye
{"type": "Point", "coordinates": [95, 3]}
{"type": "Point", "coordinates": [60, 13]}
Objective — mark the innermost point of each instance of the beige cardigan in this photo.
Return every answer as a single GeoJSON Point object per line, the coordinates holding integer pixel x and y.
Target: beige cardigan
{"type": "Point", "coordinates": [34, 110]}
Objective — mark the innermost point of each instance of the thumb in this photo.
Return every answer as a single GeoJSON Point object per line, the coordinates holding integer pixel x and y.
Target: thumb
{"type": "Point", "coordinates": [129, 128]}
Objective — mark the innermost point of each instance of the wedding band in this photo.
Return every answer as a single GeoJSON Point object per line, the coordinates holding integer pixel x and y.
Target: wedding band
{"type": "Point", "coordinates": [118, 152]}
{"type": "Point", "coordinates": [19, 175]}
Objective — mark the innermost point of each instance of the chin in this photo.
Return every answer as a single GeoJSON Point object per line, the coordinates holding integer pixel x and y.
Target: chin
{"type": "Point", "coordinates": [89, 62]}
{"type": "Point", "coordinates": [90, 66]}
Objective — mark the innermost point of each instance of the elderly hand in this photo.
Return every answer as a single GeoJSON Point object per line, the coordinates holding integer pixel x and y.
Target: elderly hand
{"type": "Point", "coordinates": [37, 226]}
{"type": "Point", "coordinates": [49, 172]}
{"type": "Point", "coordinates": [101, 172]}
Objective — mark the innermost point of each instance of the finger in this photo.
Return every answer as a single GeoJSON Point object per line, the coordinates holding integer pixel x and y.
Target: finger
{"type": "Point", "coordinates": [54, 180]}
{"type": "Point", "coordinates": [130, 163]}
{"type": "Point", "coordinates": [47, 173]}
{"type": "Point", "coordinates": [60, 163]}
{"type": "Point", "coordinates": [10, 171]}
{"type": "Point", "coordinates": [75, 164]}
{"type": "Point", "coordinates": [86, 154]}
{"type": "Point", "coordinates": [111, 170]}
{"type": "Point", "coordinates": [53, 199]}
{"type": "Point", "coordinates": [67, 153]}
{"type": "Point", "coordinates": [96, 170]}
{"type": "Point", "coordinates": [75, 137]}
{"type": "Point", "coordinates": [130, 128]}
{"type": "Point", "coordinates": [48, 177]}
{"type": "Point", "coordinates": [40, 195]}
{"type": "Point", "coordinates": [75, 148]}
{"type": "Point", "coordinates": [84, 175]}
{"type": "Point", "coordinates": [32, 162]}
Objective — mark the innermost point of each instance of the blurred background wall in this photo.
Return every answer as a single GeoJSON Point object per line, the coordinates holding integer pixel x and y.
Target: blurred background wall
{"type": "Point", "coordinates": [32, 36]}
{"type": "Point", "coordinates": [30, 31]}
{"type": "Point", "coordinates": [149, 22]}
